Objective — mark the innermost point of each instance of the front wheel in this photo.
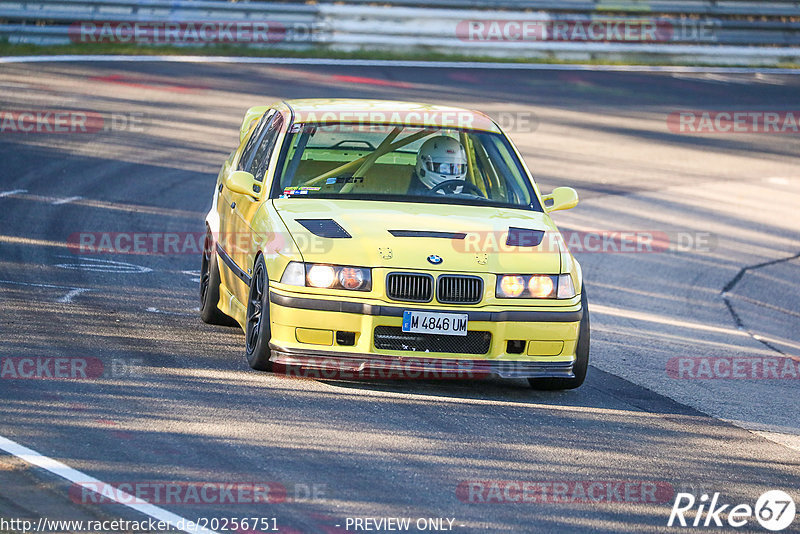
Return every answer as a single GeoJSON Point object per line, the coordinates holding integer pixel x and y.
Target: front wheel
{"type": "Point", "coordinates": [209, 286]}
{"type": "Point", "coordinates": [257, 332]}
{"type": "Point", "coordinates": [581, 358]}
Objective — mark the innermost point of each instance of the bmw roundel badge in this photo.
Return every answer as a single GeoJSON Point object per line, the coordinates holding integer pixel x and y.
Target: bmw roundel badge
{"type": "Point", "coordinates": [434, 259]}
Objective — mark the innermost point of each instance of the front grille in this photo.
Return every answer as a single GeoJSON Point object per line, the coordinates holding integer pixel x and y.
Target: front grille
{"type": "Point", "coordinates": [393, 338]}
{"type": "Point", "coordinates": [410, 287]}
{"type": "Point", "coordinates": [455, 289]}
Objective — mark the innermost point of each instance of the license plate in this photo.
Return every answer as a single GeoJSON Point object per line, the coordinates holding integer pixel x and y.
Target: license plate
{"type": "Point", "coordinates": [450, 324]}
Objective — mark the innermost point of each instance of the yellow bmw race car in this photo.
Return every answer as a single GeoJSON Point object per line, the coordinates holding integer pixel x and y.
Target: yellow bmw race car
{"type": "Point", "coordinates": [348, 236]}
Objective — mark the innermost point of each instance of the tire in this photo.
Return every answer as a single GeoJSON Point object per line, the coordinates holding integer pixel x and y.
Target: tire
{"type": "Point", "coordinates": [581, 360]}
{"type": "Point", "coordinates": [209, 287]}
{"type": "Point", "coordinates": [257, 331]}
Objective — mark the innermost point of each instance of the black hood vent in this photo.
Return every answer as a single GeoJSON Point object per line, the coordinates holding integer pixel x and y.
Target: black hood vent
{"type": "Point", "coordinates": [524, 237]}
{"type": "Point", "coordinates": [324, 228]}
{"type": "Point", "coordinates": [427, 233]}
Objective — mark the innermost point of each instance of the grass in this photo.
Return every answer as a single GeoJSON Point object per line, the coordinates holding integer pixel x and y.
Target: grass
{"type": "Point", "coordinates": [8, 49]}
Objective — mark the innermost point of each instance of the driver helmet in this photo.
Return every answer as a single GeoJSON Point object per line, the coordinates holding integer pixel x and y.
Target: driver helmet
{"type": "Point", "coordinates": [440, 159]}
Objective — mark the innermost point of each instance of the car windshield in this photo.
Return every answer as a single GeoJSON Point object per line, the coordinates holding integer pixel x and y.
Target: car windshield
{"type": "Point", "coordinates": [401, 163]}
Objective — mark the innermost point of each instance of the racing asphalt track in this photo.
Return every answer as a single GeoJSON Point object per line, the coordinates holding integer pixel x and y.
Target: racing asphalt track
{"type": "Point", "coordinates": [194, 411]}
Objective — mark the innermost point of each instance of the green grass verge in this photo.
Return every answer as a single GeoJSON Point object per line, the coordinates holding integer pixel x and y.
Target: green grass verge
{"type": "Point", "coordinates": [8, 49]}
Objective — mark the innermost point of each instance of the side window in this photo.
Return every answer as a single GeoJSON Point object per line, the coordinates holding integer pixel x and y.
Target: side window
{"type": "Point", "coordinates": [253, 142]}
{"type": "Point", "coordinates": [264, 152]}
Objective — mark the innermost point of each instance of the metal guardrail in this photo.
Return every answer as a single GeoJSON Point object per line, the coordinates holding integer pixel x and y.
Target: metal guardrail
{"type": "Point", "coordinates": [69, 8]}
{"type": "Point", "coordinates": [59, 21]}
{"type": "Point", "coordinates": [715, 31]}
{"type": "Point", "coordinates": [674, 7]}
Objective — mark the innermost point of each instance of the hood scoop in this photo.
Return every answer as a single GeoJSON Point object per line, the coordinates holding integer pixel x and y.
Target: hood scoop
{"type": "Point", "coordinates": [524, 237]}
{"type": "Point", "coordinates": [324, 228]}
{"type": "Point", "coordinates": [427, 233]}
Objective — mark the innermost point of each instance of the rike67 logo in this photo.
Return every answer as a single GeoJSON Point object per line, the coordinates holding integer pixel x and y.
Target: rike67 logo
{"type": "Point", "coordinates": [774, 510]}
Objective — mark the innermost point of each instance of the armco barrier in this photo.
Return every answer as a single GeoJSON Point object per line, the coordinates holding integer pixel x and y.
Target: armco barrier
{"type": "Point", "coordinates": [707, 31]}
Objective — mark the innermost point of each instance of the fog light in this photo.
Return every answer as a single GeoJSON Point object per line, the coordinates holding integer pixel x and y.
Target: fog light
{"type": "Point", "coordinates": [345, 338]}
{"type": "Point", "coordinates": [515, 346]}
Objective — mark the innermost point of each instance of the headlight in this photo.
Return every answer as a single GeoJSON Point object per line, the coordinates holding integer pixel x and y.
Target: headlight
{"type": "Point", "coordinates": [327, 276]}
{"type": "Point", "coordinates": [320, 275]}
{"type": "Point", "coordinates": [536, 286]}
{"type": "Point", "coordinates": [542, 287]}
{"type": "Point", "coordinates": [511, 286]}
{"type": "Point", "coordinates": [352, 278]}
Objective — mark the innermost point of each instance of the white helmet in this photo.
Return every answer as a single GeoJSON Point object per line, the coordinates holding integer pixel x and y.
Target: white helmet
{"type": "Point", "coordinates": [440, 159]}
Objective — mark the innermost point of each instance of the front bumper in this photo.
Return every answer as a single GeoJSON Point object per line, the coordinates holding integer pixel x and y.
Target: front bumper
{"type": "Point", "coordinates": [306, 333]}
{"type": "Point", "coordinates": [330, 364]}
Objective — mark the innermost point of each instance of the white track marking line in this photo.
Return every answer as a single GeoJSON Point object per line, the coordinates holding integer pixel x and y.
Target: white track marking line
{"type": "Point", "coordinates": [778, 180]}
{"type": "Point", "coordinates": [787, 440]}
{"type": "Point", "coordinates": [664, 320]}
{"type": "Point", "coordinates": [14, 282]}
{"type": "Point", "coordinates": [67, 200]}
{"type": "Point", "coordinates": [103, 266]}
{"type": "Point", "coordinates": [12, 192]}
{"type": "Point", "coordinates": [194, 274]}
{"type": "Point", "coordinates": [67, 299]}
{"type": "Point", "coordinates": [390, 63]}
{"type": "Point", "coordinates": [77, 477]}
{"type": "Point", "coordinates": [156, 310]}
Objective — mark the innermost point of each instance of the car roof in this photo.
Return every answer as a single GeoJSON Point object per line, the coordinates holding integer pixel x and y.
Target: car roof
{"type": "Point", "coordinates": [365, 111]}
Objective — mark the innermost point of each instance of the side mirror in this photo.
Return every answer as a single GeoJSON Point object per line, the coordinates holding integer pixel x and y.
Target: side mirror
{"type": "Point", "coordinates": [243, 182]}
{"type": "Point", "coordinates": [562, 198]}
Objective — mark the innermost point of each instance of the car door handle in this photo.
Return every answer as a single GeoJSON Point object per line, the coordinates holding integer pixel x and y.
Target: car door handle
{"type": "Point", "coordinates": [233, 205]}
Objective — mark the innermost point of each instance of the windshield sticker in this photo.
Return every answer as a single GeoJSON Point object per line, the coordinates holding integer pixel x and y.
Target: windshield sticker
{"type": "Point", "coordinates": [344, 180]}
{"type": "Point", "coordinates": [294, 190]}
